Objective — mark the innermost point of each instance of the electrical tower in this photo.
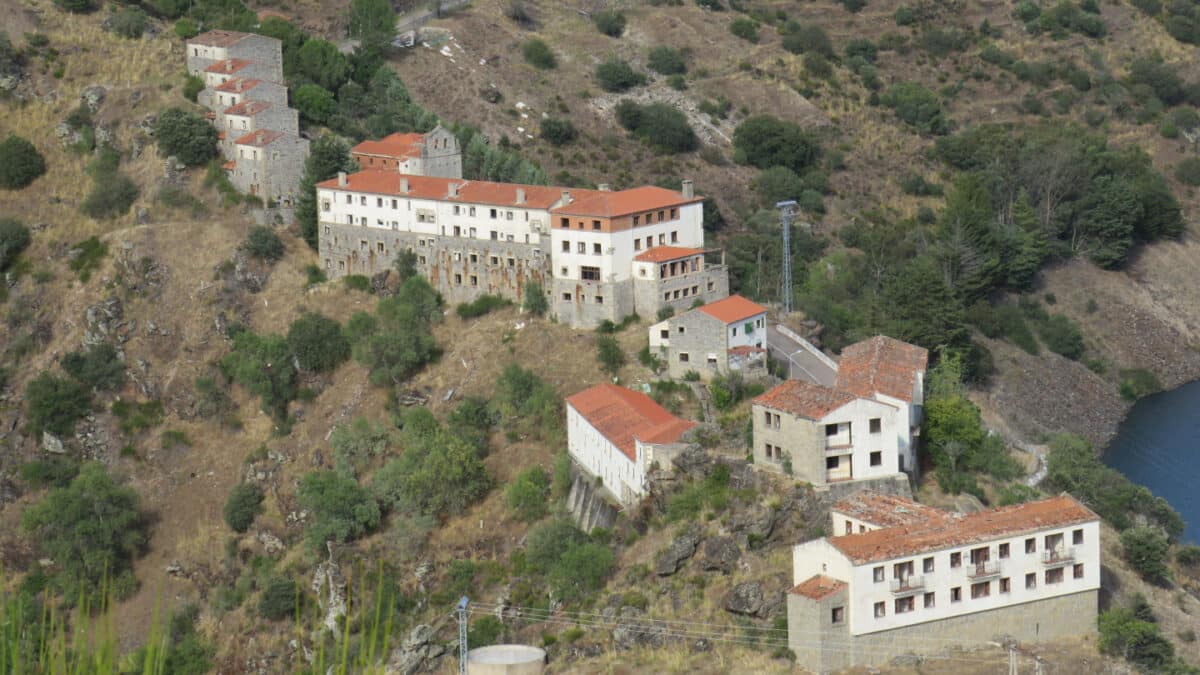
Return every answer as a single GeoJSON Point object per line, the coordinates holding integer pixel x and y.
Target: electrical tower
{"type": "Point", "coordinates": [462, 635]}
{"type": "Point", "coordinates": [786, 210]}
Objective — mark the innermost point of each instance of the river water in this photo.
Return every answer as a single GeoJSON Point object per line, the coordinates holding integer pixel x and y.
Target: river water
{"type": "Point", "coordinates": [1158, 445]}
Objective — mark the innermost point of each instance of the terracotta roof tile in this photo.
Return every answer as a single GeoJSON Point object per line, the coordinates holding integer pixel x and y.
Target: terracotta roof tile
{"type": "Point", "coordinates": [624, 416]}
{"type": "Point", "coordinates": [742, 350]}
{"type": "Point", "coordinates": [260, 138]}
{"type": "Point", "coordinates": [818, 587]}
{"type": "Point", "coordinates": [247, 108]}
{"type": "Point", "coordinates": [881, 365]}
{"type": "Point", "coordinates": [218, 38]}
{"type": "Point", "coordinates": [237, 85]}
{"type": "Point", "coordinates": [808, 400]}
{"type": "Point", "coordinates": [606, 204]}
{"type": "Point", "coordinates": [884, 510]}
{"type": "Point", "coordinates": [962, 529]}
{"type": "Point", "coordinates": [227, 66]}
{"type": "Point", "coordinates": [664, 253]}
{"type": "Point", "coordinates": [396, 146]}
{"type": "Point", "coordinates": [732, 309]}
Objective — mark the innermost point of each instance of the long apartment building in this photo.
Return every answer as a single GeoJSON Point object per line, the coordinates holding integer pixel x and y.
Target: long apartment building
{"type": "Point", "coordinates": [904, 578]}
{"type": "Point", "coordinates": [598, 254]}
{"type": "Point", "coordinates": [259, 134]}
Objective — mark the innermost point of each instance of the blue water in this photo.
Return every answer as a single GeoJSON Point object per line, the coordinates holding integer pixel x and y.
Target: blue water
{"type": "Point", "coordinates": [1158, 445]}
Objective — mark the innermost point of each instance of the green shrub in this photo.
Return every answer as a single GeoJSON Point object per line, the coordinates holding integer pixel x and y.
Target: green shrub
{"type": "Point", "coordinates": [610, 355]}
{"type": "Point", "coordinates": [243, 506]}
{"type": "Point", "coordinates": [667, 60]}
{"type": "Point", "coordinates": [55, 404]}
{"type": "Point", "coordinates": [130, 22]}
{"type": "Point", "coordinates": [807, 39]}
{"type": "Point", "coordinates": [263, 365]}
{"type": "Point", "coordinates": [341, 510]}
{"type": "Point", "coordinates": [137, 416]}
{"type": "Point", "coordinates": [185, 135]}
{"type": "Point", "coordinates": [611, 22]}
{"type": "Point", "coordinates": [1188, 171]}
{"type": "Point", "coordinates": [55, 472]}
{"type": "Point", "coordinates": [525, 403]}
{"type": "Point", "coordinates": [1146, 549]}
{"type": "Point", "coordinates": [187, 29]}
{"type": "Point", "coordinates": [484, 304]}
{"type": "Point", "coordinates": [20, 163]}
{"type": "Point", "coordinates": [665, 313]}
{"type": "Point", "coordinates": [112, 191]}
{"type": "Point", "coordinates": [280, 599]}
{"type": "Point", "coordinates": [745, 28]}
{"type": "Point", "coordinates": [616, 75]}
{"type": "Point", "coordinates": [440, 472]}
{"type": "Point", "coordinates": [318, 343]}
{"type": "Point", "coordinates": [1188, 556]}
{"type": "Point", "coordinates": [358, 282]}
{"type": "Point", "coordinates": [1062, 336]}
{"type": "Point", "coordinates": [661, 125]}
{"type": "Point", "coordinates": [558, 131]}
{"type": "Point", "coordinates": [1137, 383]}
{"type": "Point", "coordinates": [526, 495]}
{"type": "Point", "coordinates": [76, 6]}
{"type": "Point", "coordinates": [173, 438]}
{"type": "Point", "coordinates": [853, 6]}
{"type": "Point", "coordinates": [538, 54]}
{"type": "Point", "coordinates": [1123, 634]}
{"type": "Point", "coordinates": [315, 103]}
{"type": "Point", "coordinates": [912, 183]}
{"type": "Point", "coordinates": [816, 65]}
{"type": "Point", "coordinates": [356, 444]}
{"type": "Point", "coordinates": [534, 299]}
{"type": "Point", "coordinates": [96, 368]}
{"type": "Point", "coordinates": [904, 16]}
{"type": "Point", "coordinates": [916, 106]}
{"type": "Point", "coordinates": [14, 238]}
{"type": "Point", "coordinates": [765, 141]}
{"type": "Point", "coordinates": [263, 243]}
{"type": "Point", "coordinates": [486, 630]}
{"type": "Point", "coordinates": [314, 275]}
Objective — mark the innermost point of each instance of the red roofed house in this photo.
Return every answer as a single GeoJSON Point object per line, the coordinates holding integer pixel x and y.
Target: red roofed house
{"type": "Point", "coordinates": [920, 580]}
{"type": "Point", "coordinates": [435, 153]}
{"type": "Point", "coordinates": [718, 337]}
{"type": "Point", "coordinates": [238, 120]}
{"type": "Point", "coordinates": [617, 435]}
{"type": "Point", "coordinates": [890, 371]}
{"type": "Point", "coordinates": [269, 164]}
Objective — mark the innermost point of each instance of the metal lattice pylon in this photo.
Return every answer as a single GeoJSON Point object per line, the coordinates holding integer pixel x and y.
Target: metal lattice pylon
{"type": "Point", "coordinates": [786, 210]}
{"type": "Point", "coordinates": [462, 634]}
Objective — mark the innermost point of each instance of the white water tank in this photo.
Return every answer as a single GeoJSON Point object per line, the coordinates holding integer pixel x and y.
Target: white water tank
{"type": "Point", "coordinates": [506, 660]}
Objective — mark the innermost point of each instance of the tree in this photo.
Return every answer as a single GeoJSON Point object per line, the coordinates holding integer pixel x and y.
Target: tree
{"type": "Point", "coordinates": [76, 6]}
{"type": "Point", "coordinates": [1145, 549]}
{"type": "Point", "coordinates": [922, 308]}
{"type": "Point", "coordinates": [243, 506]}
{"type": "Point", "coordinates": [355, 444]}
{"type": "Point", "coordinates": [558, 131]}
{"type": "Point", "coordinates": [279, 600]}
{"type": "Point", "coordinates": [14, 238]}
{"type": "Point", "coordinates": [765, 141]}
{"type": "Point", "coordinates": [778, 183]}
{"type": "Point", "coordinates": [92, 529]}
{"type": "Point", "coordinates": [616, 75]}
{"type": "Point", "coordinates": [611, 22]}
{"type": "Point", "coordinates": [916, 106]}
{"type": "Point", "coordinates": [263, 365]}
{"type": "Point", "coordinates": [661, 125]}
{"type": "Point", "coordinates": [373, 22]}
{"type": "Point", "coordinates": [320, 62]}
{"type": "Point", "coordinates": [20, 163]}
{"type": "Point", "coordinates": [54, 404]}
{"type": "Point", "coordinates": [667, 60]}
{"type": "Point", "coordinates": [263, 243]}
{"type": "Point", "coordinates": [318, 343]}
{"type": "Point", "coordinates": [315, 103]}
{"type": "Point", "coordinates": [609, 353]}
{"type": "Point", "coordinates": [130, 22]}
{"type": "Point", "coordinates": [1138, 641]}
{"type": "Point", "coordinates": [526, 495]}
{"type": "Point", "coordinates": [341, 510]}
{"type": "Point", "coordinates": [440, 473]}
{"type": "Point", "coordinates": [582, 569]}
{"type": "Point", "coordinates": [185, 135]}
{"type": "Point", "coordinates": [328, 155]}
{"type": "Point", "coordinates": [745, 28]}
{"type": "Point", "coordinates": [534, 299]}
{"type": "Point", "coordinates": [97, 368]}
{"type": "Point", "coordinates": [186, 29]}
{"type": "Point", "coordinates": [1110, 211]}
{"type": "Point", "coordinates": [537, 53]}
{"type": "Point", "coordinates": [405, 265]}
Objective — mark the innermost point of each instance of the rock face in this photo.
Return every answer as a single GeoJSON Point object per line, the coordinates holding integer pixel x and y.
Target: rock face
{"type": "Point", "coordinates": [746, 598]}
{"type": "Point", "coordinates": [93, 97]}
{"type": "Point", "coordinates": [633, 633]}
{"type": "Point", "coordinates": [329, 586]}
{"type": "Point", "coordinates": [104, 321]}
{"type": "Point", "coordinates": [721, 554]}
{"type": "Point", "coordinates": [52, 444]}
{"type": "Point", "coordinates": [414, 652]}
{"type": "Point", "coordinates": [684, 547]}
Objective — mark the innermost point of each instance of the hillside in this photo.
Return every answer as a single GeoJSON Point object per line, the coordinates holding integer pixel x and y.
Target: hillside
{"type": "Point", "coordinates": [175, 288]}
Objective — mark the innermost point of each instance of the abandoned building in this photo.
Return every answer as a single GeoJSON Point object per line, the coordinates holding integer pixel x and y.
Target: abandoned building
{"type": "Point", "coordinates": [435, 153]}
{"type": "Point", "coordinates": [911, 579]}
{"type": "Point", "coordinates": [585, 247]}
{"type": "Point", "coordinates": [720, 337]}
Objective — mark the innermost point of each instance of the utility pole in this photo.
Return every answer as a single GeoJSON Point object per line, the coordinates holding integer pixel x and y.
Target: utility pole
{"type": "Point", "coordinates": [462, 635]}
{"type": "Point", "coordinates": [1012, 659]}
{"type": "Point", "coordinates": [786, 209]}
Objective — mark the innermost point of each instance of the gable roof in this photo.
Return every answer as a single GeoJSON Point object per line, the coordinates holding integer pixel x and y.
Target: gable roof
{"type": "Point", "coordinates": [660, 254]}
{"type": "Point", "coordinates": [247, 108]}
{"type": "Point", "coordinates": [808, 400]}
{"type": "Point", "coordinates": [227, 66]}
{"type": "Point", "coordinates": [260, 138]}
{"type": "Point", "coordinates": [239, 84]}
{"type": "Point", "coordinates": [624, 416]}
{"type": "Point", "coordinates": [608, 204]}
{"type": "Point", "coordinates": [397, 146]}
{"type": "Point", "coordinates": [962, 529]}
{"type": "Point", "coordinates": [884, 510]}
{"type": "Point", "coordinates": [218, 38]}
{"type": "Point", "coordinates": [881, 365]}
{"type": "Point", "coordinates": [732, 309]}
{"type": "Point", "coordinates": [818, 587]}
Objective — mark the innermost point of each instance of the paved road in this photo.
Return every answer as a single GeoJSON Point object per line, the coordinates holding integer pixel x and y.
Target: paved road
{"type": "Point", "coordinates": [804, 365]}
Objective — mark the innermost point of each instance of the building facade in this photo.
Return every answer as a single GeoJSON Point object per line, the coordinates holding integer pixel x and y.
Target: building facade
{"type": "Point", "coordinates": [477, 237]}
{"type": "Point", "coordinates": [940, 580]}
{"type": "Point", "coordinates": [435, 153]}
{"type": "Point", "coordinates": [269, 164]}
{"type": "Point", "coordinates": [618, 436]}
{"type": "Point", "coordinates": [219, 45]}
{"type": "Point", "coordinates": [716, 338]}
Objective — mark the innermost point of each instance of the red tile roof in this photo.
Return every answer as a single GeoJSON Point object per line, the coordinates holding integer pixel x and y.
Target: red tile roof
{"type": "Point", "coordinates": [237, 85]}
{"type": "Point", "coordinates": [227, 66]}
{"type": "Point", "coordinates": [229, 166]}
{"type": "Point", "coordinates": [962, 529]}
{"type": "Point", "coordinates": [742, 350]}
{"type": "Point", "coordinates": [395, 146]}
{"type": "Point", "coordinates": [818, 587]}
{"type": "Point", "coordinates": [660, 254]}
{"type": "Point", "coordinates": [260, 138]}
{"type": "Point", "coordinates": [808, 400]}
{"type": "Point", "coordinates": [884, 510]}
{"type": "Point", "coordinates": [881, 365]}
{"type": "Point", "coordinates": [247, 108]}
{"type": "Point", "coordinates": [608, 204]}
{"type": "Point", "coordinates": [624, 416]}
{"type": "Point", "coordinates": [218, 38]}
{"type": "Point", "coordinates": [732, 309]}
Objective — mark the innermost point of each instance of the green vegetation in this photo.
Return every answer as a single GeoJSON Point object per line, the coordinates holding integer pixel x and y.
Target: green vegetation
{"type": "Point", "coordinates": [186, 135]}
{"type": "Point", "coordinates": [611, 22]}
{"type": "Point", "coordinates": [711, 493]}
{"type": "Point", "coordinates": [129, 22]}
{"type": "Point", "coordinates": [484, 304]}
{"type": "Point", "coordinates": [1138, 382]}
{"type": "Point", "coordinates": [441, 471]}
{"type": "Point", "coordinates": [328, 155]}
{"type": "Point", "coordinates": [538, 54]}
{"type": "Point", "coordinates": [264, 366]}
{"type": "Point", "coordinates": [524, 404]}
{"type": "Point", "coordinates": [399, 340]}
{"type": "Point", "coordinates": [558, 131]}
{"type": "Point", "coordinates": [98, 367]}
{"type": "Point", "coordinates": [263, 243]}
{"type": "Point", "coordinates": [20, 163]}
{"type": "Point", "coordinates": [660, 125]}
{"type": "Point", "coordinates": [86, 257]}
{"type": "Point", "coordinates": [1146, 550]}
{"type": "Point", "coordinates": [745, 28]}
{"type": "Point", "coordinates": [765, 141]}
{"type": "Point", "coordinates": [666, 60]}
{"type": "Point", "coordinates": [571, 564]}
{"type": "Point", "coordinates": [729, 390]}
{"type": "Point", "coordinates": [280, 599]}
{"type": "Point", "coordinates": [315, 103]}
{"type": "Point", "coordinates": [616, 75]}
{"type": "Point", "coordinates": [610, 354]}
{"type": "Point", "coordinates": [318, 343]}
{"type": "Point", "coordinates": [14, 238]}
{"type": "Point", "coordinates": [534, 300]}
{"type": "Point", "coordinates": [243, 506]}
{"type": "Point", "coordinates": [372, 22]}
{"type": "Point", "coordinates": [55, 404]}
{"type": "Point", "coordinates": [916, 106]}
{"type": "Point", "coordinates": [526, 495]}
{"type": "Point", "coordinates": [340, 509]}
{"type": "Point", "coordinates": [137, 416]}
{"type": "Point", "coordinates": [356, 444]}
{"type": "Point", "coordinates": [112, 191]}
{"type": "Point", "coordinates": [1133, 634]}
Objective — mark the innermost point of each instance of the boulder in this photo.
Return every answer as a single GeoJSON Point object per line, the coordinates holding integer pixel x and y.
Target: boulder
{"type": "Point", "coordinates": [746, 598]}
{"type": "Point", "coordinates": [632, 633]}
{"type": "Point", "coordinates": [684, 547]}
{"type": "Point", "coordinates": [52, 444]}
{"type": "Point", "coordinates": [721, 554]}
{"type": "Point", "coordinates": [329, 586]}
{"type": "Point", "coordinates": [93, 97]}
{"type": "Point", "coordinates": [271, 544]}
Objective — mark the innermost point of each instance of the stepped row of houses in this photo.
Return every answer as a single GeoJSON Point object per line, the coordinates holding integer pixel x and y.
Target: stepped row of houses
{"type": "Point", "coordinates": [247, 100]}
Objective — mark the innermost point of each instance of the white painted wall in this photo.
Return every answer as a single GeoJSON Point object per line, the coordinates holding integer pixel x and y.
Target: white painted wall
{"type": "Point", "coordinates": [844, 524]}
{"type": "Point", "coordinates": [738, 337]}
{"type": "Point", "coordinates": [657, 341]}
{"type": "Point", "coordinates": [599, 457]}
{"type": "Point", "coordinates": [858, 414]}
{"type": "Point", "coordinates": [617, 249]}
{"type": "Point", "coordinates": [819, 557]}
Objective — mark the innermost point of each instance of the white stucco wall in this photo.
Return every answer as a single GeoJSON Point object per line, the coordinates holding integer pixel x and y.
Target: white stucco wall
{"type": "Point", "coordinates": [858, 413]}
{"type": "Point", "coordinates": [600, 457]}
{"type": "Point", "coordinates": [738, 337]}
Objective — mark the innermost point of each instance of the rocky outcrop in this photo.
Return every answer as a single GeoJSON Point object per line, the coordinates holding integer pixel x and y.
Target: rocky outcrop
{"type": "Point", "coordinates": [93, 97]}
{"type": "Point", "coordinates": [329, 586]}
{"type": "Point", "coordinates": [414, 654]}
{"type": "Point", "coordinates": [631, 632]}
{"type": "Point", "coordinates": [721, 554]}
{"type": "Point", "coordinates": [104, 323]}
{"type": "Point", "coordinates": [680, 550]}
{"type": "Point", "coordinates": [746, 598]}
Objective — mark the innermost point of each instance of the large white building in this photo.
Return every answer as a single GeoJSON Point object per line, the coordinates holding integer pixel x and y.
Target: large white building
{"type": "Point", "coordinates": [619, 435]}
{"type": "Point", "coordinates": [913, 579]}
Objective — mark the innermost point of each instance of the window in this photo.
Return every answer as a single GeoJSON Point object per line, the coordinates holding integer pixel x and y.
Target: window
{"type": "Point", "coordinates": [683, 357]}
{"type": "Point", "coordinates": [567, 297]}
{"type": "Point", "coordinates": [495, 235]}
{"type": "Point", "coordinates": [349, 199]}
{"type": "Point", "coordinates": [492, 213]}
{"type": "Point", "coordinates": [1003, 551]}
{"type": "Point", "coordinates": [566, 247]}
{"type": "Point", "coordinates": [457, 209]}
{"type": "Point", "coordinates": [421, 259]}
{"type": "Point", "coordinates": [878, 574]}
{"type": "Point", "coordinates": [362, 201]}
{"type": "Point", "coordinates": [508, 215]}
{"type": "Point", "coordinates": [512, 262]}
{"type": "Point", "coordinates": [876, 425]}
{"type": "Point", "coordinates": [904, 605]}
{"type": "Point", "coordinates": [1054, 541]}
{"type": "Point", "coordinates": [599, 299]}
{"type": "Point", "coordinates": [929, 601]}
{"type": "Point", "coordinates": [660, 215]}
{"type": "Point", "coordinates": [636, 220]}
{"type": "Point", "coordinates": [493, 260]}
{"type": "Point", "coordinates": [379, 202]}
{"type": "Point", "coordinates": [734, 328]}
{"type": "Point", "coordinates": [837, 615]}
{"type": "Point", "coordinates": [880, 610]}
{"type": "Point", "coordinates": [649, 242]}
{"type": "Point", "coordinates": [457, 231]}
{"type": "Point", "coordinates": [662, 239]}
{"type": "Point", "coordinates": [649, 218]}
{"type": "Point", "coordinates": [927, 565]}
{"type": "Point", "coordinates": [902, 570]}
{"type": "Point", "coordinates": [595, 224]}
{"type": "Point", "coordinates": [637, 246]}
{"type": "Point", "coordinates": [832, 463]}
{"type": "Point", "coordinates": [379, 246]}
{"type": "Point", "coordinates": [596, 249]}
{"type": "Point", "coordinates": [956, 560]}
{"type": "Point", "coordinates": [664, 334]}
{"type": "Point", "coordinates": [1077, 537]}
{"type": "Point", "coordinates": [956, 594]}
{"type": "Point", "coordinates": [1054, 576]}
{"type": "Point", "coordinates": [982, 589]}
{"type": "Point", "coordinates": [877, 458]}
{"type": "Point", "coordinates": [1031, 580]}
{"type": "Point", "coordinates": [471, 211]}
{"type": "Point", "coordinates": [1031, 545]}
{"type": "Point", "coordinates": [1005, 585]}
{"type": "Point", "coordinates": [458, 278]}
{"type": "Point", "coordinates": [849, 527]}
{"type": "Point", "coordinates": [474, 280]}
{"type": "Point", "coordinates": [674, 237]}
{"type": "Point", "coordinates": [980, 555]}
{"type": "Point", "coordinates": [395, 204]}
{"type": "Point", "coordinates": [325, 205]}
{"type": "Point", "coordinates": [1077, 571]}
{"type": "Point", "coordinates": [581, 247]}
{"type": "Point", "coordinates": [589, 273]}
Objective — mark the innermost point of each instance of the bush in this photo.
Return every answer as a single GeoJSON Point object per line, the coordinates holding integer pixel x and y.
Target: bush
{"type": "Point", "coordinates": [315, 103]}
{"type": "Point", "coordinates": [1146, 549]}
{"type": "Point", "coordinates": [745, 28]}
{"type": "Point", "coordinates": [484, 304]}
{"type": "Point", "coordinates": [243, 506]}
{"type": "Point", "coordinates": [318, 343]}
{"type": "Point", "coordinates": [1138, 382]}
{"type": "Point", "coordinates": [616, 75]}
{"type": "Point", "coordinates": [558, 131]}
{"type": "Point", "coordinates": [1188, 171]}
{"type": "Point", "coordinates": [186, 135]}
{"type": "Point", "coordinates": [263, 243]}
{"type": "Point", "coordinates": [130, 22]}
{"type": "Point", "coordinates": [14, 238]}
{"type": "Point", "coordinates": [610, 354]}
{"type": "Point", "coordinates": [263, 365]}
{"type": "Point", "coordinates": [112, 191]}
{"type": "Point", "coordinates": [55, 404]}
{"type": "Point", "coordinates": [356, 444]}
{"type": "Point", "coordinates": [610, 22]}
{"type": "Point", "coordinates": [667, 60]}
{"type": "Point", "coordinates": [187, 29]}
{"type": "Point", "coordinates": [534, 300]}
{"type": "Point", "coordinates": [76, 6]}
{"type": "Point", "coordinates": [912, 183]}
{"type": "Point", "coordinates": [341, 510]}
{"type": "Point", "coordinates": [807, 39]}
{"type": "Point", "coordinates": [765, 141]}
{"type": "Point", "coordinates": [20, 163]}
{"type": "Point", "coordinates": [659, 124]}
{"type": "Point", "coordinates": [538, 54]}
{"type": "Point", "coordinates": [526, 495]}
{"type": "Point", "coordinates": [1062, 336]}
{"type": "Point", "coordinates": [279, 600]}
{"type": "Point", "coordinates": [916, 106]}
{"type": "Point", "coordinates": [97, 368]}
{"type": "Point", "coordinates": [1123, 634]}
{"type": "Point", "coordinates": [484, 631]}
{"type": "Point", "coordinates": [440, 472]}
{"type": "Point", "coordinates": [525, 403]}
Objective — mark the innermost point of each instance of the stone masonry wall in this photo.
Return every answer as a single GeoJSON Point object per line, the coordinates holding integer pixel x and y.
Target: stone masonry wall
{"type": "Point", "coordinates": [582, 310]}
{"type": "Point", "coordinates": [649, 294]}
{"type": "Point", "coordinates": [801, 439]}
{"type": "Point", "coordinates": [702, 334]}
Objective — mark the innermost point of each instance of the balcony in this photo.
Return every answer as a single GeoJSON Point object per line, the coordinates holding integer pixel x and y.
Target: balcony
{"type": "Point", "coordinates": [984, 570]}
{"type": "Point", "coordinates": [838, 446]}
{"type": "Point", "coordinates": [1058, 556]}
{"type": "Point", "coordinates": [907, 585]}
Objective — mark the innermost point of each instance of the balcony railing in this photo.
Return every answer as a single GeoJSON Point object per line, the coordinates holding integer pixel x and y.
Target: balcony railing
{"type": "Point", "coordinates": [985, 569]}
{"type": "Point", "coordinates": [839, 446]}
{"type": "Point", "coordinates": [1058, 556]}
{"type": "Point", "coordinates": [909, 584]}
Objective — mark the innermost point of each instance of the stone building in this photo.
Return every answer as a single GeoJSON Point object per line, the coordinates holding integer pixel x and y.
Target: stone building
{"type": "Point", "coordinates": [435, 153]}
{"type": "Point", "coordinates": [617, 436]}
{"type": "Point", "coordinates": [250, 116]}
{"type": "Point", "coordinates": [718, 337]}
{"type": "Point", "coordinates": [269, 164]}
{"type": "Point", "coordinates": [238, 90]}
{"type": "Point", "coordinates": [219, 45]}
{"type": "Point", "coordinates": [476, 237]}
{"type": "Point", "coordinates": [916, 580]}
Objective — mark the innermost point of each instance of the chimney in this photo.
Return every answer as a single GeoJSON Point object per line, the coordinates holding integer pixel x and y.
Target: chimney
{"type": "Point", "coordinates": [689, 189]}
{"type": "Point", "coordinates": [604, 187]}
{"type": "Point", "coordinates": [341, 179]}
{"type": "Point", "coordinates": [566, 198]}
{"type": "Point", "coordinates": [520, 195]}
{"type": "Point", "coordinates": [404, 186]}
{"type": "Point", "coordinates": [453, 189]}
